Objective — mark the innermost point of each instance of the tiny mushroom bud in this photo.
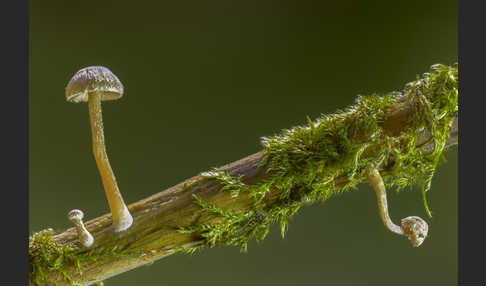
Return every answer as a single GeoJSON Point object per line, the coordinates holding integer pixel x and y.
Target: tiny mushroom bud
{"type": "Point", "coordinates": [95, 84]}
{"type": "Point", "coordinates": [414, 227]}
{"type": "Point", "coordinates": [85, 238]}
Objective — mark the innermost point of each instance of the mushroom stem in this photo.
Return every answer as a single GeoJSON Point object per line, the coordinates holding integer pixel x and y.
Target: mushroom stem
{"type": "Point", "coordinates": [85, 238]}
{"type": "Point", "coordinates": [414, 227]}
{"type": "Point", "coordinates": [376, 181]}
{"type": "Point", "coordinates": [122, 219]}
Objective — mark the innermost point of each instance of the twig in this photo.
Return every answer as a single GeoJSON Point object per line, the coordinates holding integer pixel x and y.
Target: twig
{"type": "Point", "coordinates": [160, 220]}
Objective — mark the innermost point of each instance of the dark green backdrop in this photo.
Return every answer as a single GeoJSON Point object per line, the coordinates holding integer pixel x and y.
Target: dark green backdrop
{"type": "Point", "coordinates": [204, 80]}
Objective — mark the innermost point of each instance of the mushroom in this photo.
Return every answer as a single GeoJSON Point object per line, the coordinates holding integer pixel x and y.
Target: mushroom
{"type": "Point", "coordinates": [95, 84]}
{"type": "Point", "coordinates": [413, 226]}
{"type": "Point", "coordinates": [85, 238]}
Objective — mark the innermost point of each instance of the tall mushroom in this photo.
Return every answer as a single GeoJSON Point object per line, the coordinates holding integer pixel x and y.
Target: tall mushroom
{"type": "Point", "coordinates": [95, 84]}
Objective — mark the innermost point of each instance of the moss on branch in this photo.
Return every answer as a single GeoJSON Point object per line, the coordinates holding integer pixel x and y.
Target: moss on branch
{"type": "Point", "coordinates": [403, 133]}
{"type": "Point", "coordinates": [305, 162]}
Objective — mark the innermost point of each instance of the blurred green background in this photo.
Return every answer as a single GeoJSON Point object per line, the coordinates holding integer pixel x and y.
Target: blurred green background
{"type": "Point", "coordinates": [204, 80]}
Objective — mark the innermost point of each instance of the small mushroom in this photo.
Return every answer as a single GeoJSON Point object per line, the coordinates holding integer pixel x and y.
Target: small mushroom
{"type": "Point", "coordinates": [95, 84]}
{"type": "Point", "coordinates": [413, 226]}
{"type": "Point", "coordinates": [85, 238]}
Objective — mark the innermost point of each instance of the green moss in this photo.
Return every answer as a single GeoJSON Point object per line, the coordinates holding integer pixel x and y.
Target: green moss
{"type": "Point", "coordinates": [188, 250]}
{"type": "Point", "coordinates": [46, 256]}
{"type": "Point", "coordinates": [305, 162]}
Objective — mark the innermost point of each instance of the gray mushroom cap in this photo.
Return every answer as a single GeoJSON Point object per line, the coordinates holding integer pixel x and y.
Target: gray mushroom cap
{"type": "Point", "coordinates": [93, 79]}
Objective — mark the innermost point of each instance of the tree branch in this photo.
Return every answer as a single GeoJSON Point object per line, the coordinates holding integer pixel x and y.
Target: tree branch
{"type": "Point", "coordinates": [158, 219]}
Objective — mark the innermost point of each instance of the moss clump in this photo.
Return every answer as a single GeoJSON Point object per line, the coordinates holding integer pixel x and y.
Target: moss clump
{"type": "Point", "coordinates": [310, 163]}
{"type": "Point", "coordinates": [46, 256]}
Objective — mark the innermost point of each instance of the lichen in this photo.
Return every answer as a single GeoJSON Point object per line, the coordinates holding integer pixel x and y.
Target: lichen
{"type": "Point", "coordinates": [304, 164]}
{"type": "Point", "coordinates": [47, 256]}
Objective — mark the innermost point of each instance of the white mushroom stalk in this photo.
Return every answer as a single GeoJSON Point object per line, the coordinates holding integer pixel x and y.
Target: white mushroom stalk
{"type": "Point", "coordinates": [413, 226]}
{"type": "Point", "coordinates": [85, 238]}
{"type": "Point", "coordinates": [94, 84]}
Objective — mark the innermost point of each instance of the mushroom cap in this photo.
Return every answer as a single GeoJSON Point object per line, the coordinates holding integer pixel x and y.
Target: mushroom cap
{"type": "Point", "coordinates": [93, 79]}
{"type": "Point", "coordinates": [416, 229]}
{"type": "Point", "coordinates": [75, 215]}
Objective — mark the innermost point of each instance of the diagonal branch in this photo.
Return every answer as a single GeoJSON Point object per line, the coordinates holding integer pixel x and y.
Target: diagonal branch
{"type": "Point", "coordinates": [400, 131]}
